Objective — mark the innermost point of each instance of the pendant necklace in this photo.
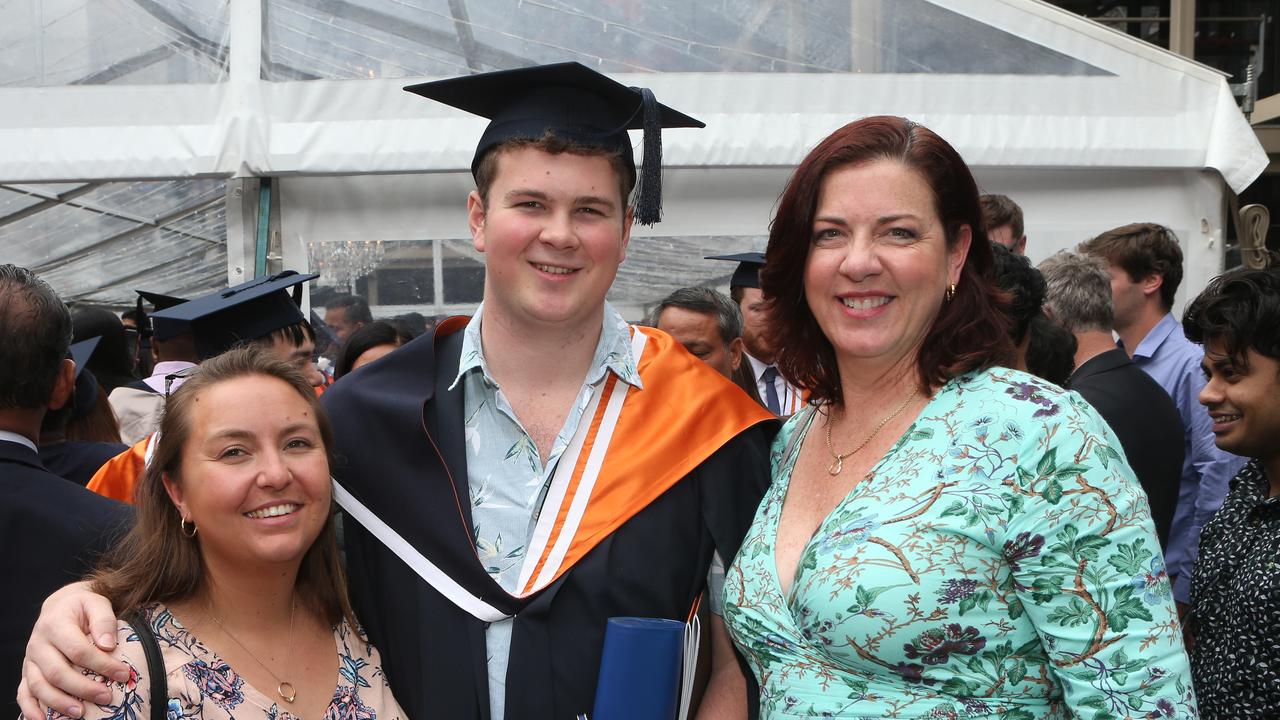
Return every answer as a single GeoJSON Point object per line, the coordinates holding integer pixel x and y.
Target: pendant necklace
{"type": "Point", "coordinates": [837, 464]}
{"type": "Point", "coordinates": [284, 688]}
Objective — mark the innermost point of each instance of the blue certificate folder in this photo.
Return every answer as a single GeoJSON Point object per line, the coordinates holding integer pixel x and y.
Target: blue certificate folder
{"type": "Point", "coordinates": [640, 670]}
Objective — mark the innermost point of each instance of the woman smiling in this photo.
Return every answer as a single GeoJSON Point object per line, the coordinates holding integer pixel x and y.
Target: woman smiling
{"type": "Point", "coordinates": [233, 564]}
{"type": "Point", "coordinates": [943, 537]}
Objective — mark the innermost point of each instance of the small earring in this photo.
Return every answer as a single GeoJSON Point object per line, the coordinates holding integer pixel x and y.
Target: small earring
{"type": "Point", "coordinates": [182, 525]}
{"type": "Point", "coordinates": [950, 292]}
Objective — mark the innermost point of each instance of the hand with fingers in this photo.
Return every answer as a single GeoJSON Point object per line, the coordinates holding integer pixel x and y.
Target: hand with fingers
{"type": "Point", "coordinates": [76, 631]}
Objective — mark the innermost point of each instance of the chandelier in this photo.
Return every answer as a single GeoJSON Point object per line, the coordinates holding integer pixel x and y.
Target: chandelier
{"type": "Point", "coordinates": [340, 264]}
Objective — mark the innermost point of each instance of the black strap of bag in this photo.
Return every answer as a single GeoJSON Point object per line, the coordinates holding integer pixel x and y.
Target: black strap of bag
{"type": "Point", "coordinates": [156, 673]}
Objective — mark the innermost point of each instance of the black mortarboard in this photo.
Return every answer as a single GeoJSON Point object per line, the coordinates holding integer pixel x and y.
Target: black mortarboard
{"type": "Point", "coordinates": [747, 274]}
{"type": "Point", "coordinates": [161, 328]}
{"type": "Point", "coordinates": [574, 102]}
{"type": "Point", "coordinates": [86, 393]}
{"type": "Point", "coordinates": [245, 312]}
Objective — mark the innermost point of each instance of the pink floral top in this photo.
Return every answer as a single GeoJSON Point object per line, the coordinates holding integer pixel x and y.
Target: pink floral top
{"type": "Point", "coordinates": [204, 687]}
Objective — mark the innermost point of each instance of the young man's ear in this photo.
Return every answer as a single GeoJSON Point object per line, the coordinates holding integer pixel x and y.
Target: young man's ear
{"type": "Point", "coordinates": [475, 218]}
{"type": "Point", "coordinates": [1151, 284]}
{"type": "Point", "coordinates": [64, 385]}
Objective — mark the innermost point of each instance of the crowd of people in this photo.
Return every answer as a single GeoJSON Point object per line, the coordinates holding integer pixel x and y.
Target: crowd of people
{"type": "Point", "coordinates": [898, 471]}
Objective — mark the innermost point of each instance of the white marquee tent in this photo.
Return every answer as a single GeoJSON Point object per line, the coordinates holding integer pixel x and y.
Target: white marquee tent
{"type": "Point", "coordinates": [174, 145]}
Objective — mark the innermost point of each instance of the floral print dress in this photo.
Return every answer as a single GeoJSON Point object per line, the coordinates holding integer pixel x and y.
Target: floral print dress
{"type": "Point", "coordinates": [203, 687]}
{"type": "Point", "coordinates": [998, 562]}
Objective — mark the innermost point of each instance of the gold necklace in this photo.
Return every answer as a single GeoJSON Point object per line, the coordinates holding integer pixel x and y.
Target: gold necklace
{"type": "Point", "coordinates": [838, 464]}
{"type": "Point", "coordinates": [284, 688]}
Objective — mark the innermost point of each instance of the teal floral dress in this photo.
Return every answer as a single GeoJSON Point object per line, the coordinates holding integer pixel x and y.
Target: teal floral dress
{"type": "Point", "coordinates": [999, 562]}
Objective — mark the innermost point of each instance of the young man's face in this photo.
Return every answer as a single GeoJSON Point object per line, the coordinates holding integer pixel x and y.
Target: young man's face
{"type": "Point", "coordinates": [337, 320]}
{"type": "Point", "coordinates": [1242, 401]}
{"type": "Point", "coordinates": [299, 356]}
{"type": "Point", "coordinates": [1127, 296]}
{"type": "Point", "coordinates": [699, 333]}
{"type": "Point", "coordinates": [754, 320]}
{"type": "Point", "coordinates": [553, 232]}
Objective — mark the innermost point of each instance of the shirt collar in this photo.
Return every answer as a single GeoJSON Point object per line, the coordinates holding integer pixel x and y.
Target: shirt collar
{"type": "Point", "coordinates": [7, 436]}
{"type": "Point", "coordinates": [613, 352]}
{"type": "Point", "coordinates": [1156, 337]}
{"type": "Point", "coordinates": [163, 369]}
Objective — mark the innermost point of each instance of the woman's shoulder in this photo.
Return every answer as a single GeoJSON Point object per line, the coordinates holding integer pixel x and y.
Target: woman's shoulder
{"type": "Point", "coordinates": [1014, 394]}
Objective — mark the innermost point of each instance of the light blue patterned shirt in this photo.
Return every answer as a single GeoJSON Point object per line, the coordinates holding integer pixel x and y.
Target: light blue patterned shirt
{"type": "Point", "coordinates": [507, 479]}
{"type": "Point", "coordinates": [1174, 361]}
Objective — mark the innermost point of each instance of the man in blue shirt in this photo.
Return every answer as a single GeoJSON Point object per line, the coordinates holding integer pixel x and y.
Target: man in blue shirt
{"type": "Point", "coordinates": [1145, 264]}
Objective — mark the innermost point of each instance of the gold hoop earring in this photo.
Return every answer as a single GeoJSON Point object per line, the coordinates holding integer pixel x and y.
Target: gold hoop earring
{"type": "Point", "coordinates": [949, 293]}
{"type": "Point", "coordinates": [182, 525]}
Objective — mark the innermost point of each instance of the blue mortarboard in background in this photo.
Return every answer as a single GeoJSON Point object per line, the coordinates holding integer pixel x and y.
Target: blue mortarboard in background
{"type": "Point", "coordinates": [574, 102]}
{"type": "Point", "coordinates": [245, 312]}
{"type": "Point", "coordinates": [747, 274]}
{"type": "Point", "coordinates": [164, 328]}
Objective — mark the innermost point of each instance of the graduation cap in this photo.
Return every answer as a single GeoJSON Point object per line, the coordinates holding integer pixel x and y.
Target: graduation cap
{"type": "Point", "coordinates": [575, 103]}
{"type": "Point", "coordinates": [747, 274]}
{"type": "Point", "coordinates": [86, 393]}
{"type": "Point", "coordinates": [245, 312]}
{"type": "Point", "coordinates": [165, 329]}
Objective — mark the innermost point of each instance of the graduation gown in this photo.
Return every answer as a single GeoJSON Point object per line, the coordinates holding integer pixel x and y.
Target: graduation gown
{"type": "Point", "coordinates": [400, 449]}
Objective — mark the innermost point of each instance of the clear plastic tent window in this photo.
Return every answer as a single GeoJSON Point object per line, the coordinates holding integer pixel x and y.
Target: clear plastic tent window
{"type": "Point", "coordinates": [344, 39]}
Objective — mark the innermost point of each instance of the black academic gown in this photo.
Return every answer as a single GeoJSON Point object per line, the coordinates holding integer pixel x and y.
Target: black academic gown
{"type": "Point", "coordinates": [1146, 422]}
{"type": "Point", "coordinates": [401, 451]}
{"type": "Point", "coordinates": [77, 461]}
{"type": "Point", "coordinates": [53, 532]}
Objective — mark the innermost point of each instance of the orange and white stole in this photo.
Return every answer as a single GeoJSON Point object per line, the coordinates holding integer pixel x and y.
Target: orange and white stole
{"type": "Point", "coordinates": [631, 446]}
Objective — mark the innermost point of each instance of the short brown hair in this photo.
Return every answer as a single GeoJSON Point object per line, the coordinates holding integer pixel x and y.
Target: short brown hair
{"type": "Point", "coordinates": [1142, 250]}
{"type": "Point", "coordinates": [969, 332]}
{"type": "Point", "coordinates": [998, 211]}
{"type": "Point", "coordinates": [155, 562]}
{"type": "Point", "coordinates": [487, 167]}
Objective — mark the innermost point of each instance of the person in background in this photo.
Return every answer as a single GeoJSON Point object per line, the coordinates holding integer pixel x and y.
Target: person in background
{"type": "Point", "coordinates": [233, 564]}
{"type": "Point", "coordinates": [138, 404]}
{"type": "Point", "coordinates": [1003, 220]}
{"type": "Point", "coordinates": [1015, 275]}
{"type": "Point", "coordinates": [53, 530]}
{"type": "Point", "coordinates": [779, 395]}
{"type": "Point", "coordinates": [1234, 621]}
{"type": "Point", "coordinates": [368, 344]}
{"type": "Point", "coordinates": [446, 443]}
{"type": "Point", "coordinates": [1051, 351]}
{"type": "Point", "coordinates": [111, 362]}
{"type": "Point", "coordinates": [943, 537]}
{"type": "Point", "coordinates": [1145, 265]}
{"type": "Point", "coordinates": [63, 449]}
{"type": "Point", "coordinates": [413, 324]}
{"type": "Point", "coordinates": [1134, 405]}
{"type": "Point", "coordinates": [346, 314]}
{"type": "Point", "coordinates": [705, 322]}
{"type": "Point", "coordinates": [138, 340]}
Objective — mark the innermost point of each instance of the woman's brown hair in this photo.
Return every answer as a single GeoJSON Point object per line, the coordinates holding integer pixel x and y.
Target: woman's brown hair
{"type": "Point", "coordinates": [969, 331]}
{"type": "Point", "coordinates": [155, 561]}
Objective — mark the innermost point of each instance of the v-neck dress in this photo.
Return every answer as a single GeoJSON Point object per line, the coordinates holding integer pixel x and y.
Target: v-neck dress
{"type": "Point", "coordinates": [201, 686]}
{"type": "Point", "coordinates": [998, 562]}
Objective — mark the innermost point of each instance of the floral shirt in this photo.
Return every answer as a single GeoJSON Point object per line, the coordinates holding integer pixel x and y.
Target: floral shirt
{"type": "Point", "coordinates": [204, 687]}
{"type": "Point", "coordinates": [1235, 600]}
{"type": "Point", "coordinates": [507, 478]}
{"type": "Point", "coordinates": [998, 562]}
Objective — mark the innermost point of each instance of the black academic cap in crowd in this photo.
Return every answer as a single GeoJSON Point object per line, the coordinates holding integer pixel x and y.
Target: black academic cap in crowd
{"type": "Point", "coordinates": [86, 393]}
{"type": "Point", "coordinates": [245, 312]}
{"type": "Point", "coordinates": [575, 103]}
{"type": "Point", "coordinates": [161, 328]}
{"type": "Point", "coordinates": [747, 274]}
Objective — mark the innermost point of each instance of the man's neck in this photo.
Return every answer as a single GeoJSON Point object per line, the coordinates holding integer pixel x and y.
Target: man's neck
{"type": "Point", "coordinates": [23, 421]}
{"type": "Point", "coordinates": [1271, 466]}
{"type": "Point", "coordinates": [1133, 333]}
{"type": "Point", "coordinates": [517, 353]}
{"type": "Point", "coordinates": [1092, 343]}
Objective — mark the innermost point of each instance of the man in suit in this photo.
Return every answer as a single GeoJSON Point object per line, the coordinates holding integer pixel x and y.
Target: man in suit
{"type": "Point", "coordinates": [52, 528]}
{"type": "Point", "coordinates": [1138, 410]}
